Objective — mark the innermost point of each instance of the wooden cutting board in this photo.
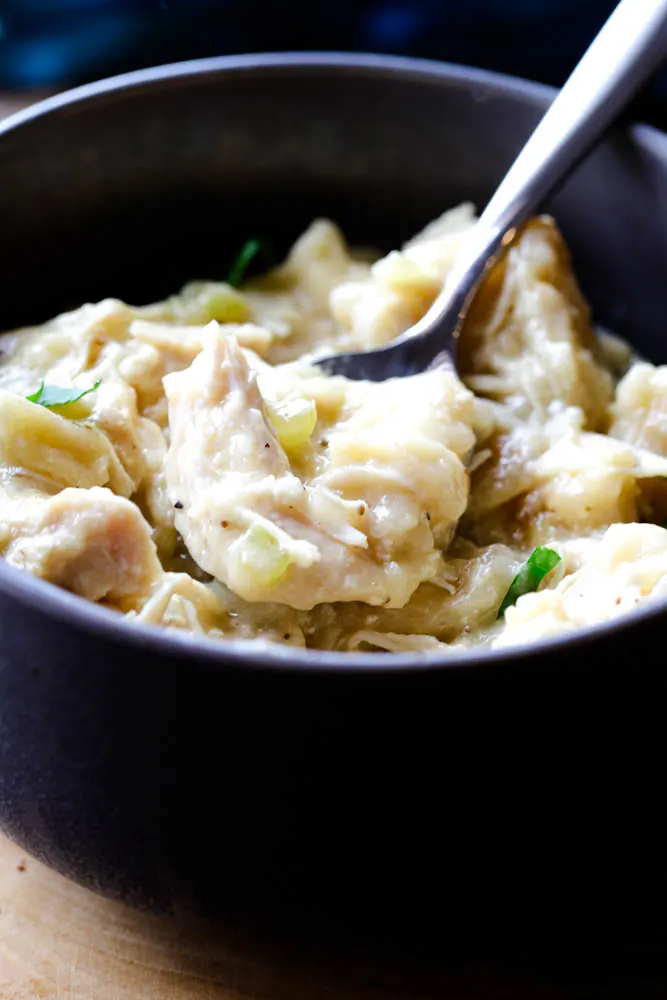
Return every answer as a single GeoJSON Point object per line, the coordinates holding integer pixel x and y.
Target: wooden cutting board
{"type": "Point", "coordinates": [61, 942]}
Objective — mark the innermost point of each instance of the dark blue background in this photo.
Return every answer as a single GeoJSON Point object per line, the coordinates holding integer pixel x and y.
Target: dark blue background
{"type": "Point", "coordinates": [55, 42]}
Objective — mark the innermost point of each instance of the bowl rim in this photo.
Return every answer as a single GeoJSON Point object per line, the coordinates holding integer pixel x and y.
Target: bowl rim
{"type": "Point", "coordinates": [60, 605]}
{"type": "Point", "coordinates": [370, 64]}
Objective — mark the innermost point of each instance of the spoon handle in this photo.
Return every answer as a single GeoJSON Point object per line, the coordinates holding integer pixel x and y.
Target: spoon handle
{"type": "Point", "coordinates": [621, 58]}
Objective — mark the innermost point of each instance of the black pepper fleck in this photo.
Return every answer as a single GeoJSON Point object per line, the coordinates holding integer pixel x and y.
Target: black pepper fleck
{"type": "Point", "coordinates": [178, 505]}
{"type": "Point", "coordinates": [287, 636]}
{"type": "Point", "coordinates": [428, 516]}
{"type": "Point", "coordinates": [267, 445]}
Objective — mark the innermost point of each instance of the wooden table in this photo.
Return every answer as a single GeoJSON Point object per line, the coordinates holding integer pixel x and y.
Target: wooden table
{"type": "Point", "coordinates": [61, 942]}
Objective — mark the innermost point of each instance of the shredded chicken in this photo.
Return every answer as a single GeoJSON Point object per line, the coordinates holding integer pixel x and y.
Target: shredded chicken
{"type": "Point", "coordinates": [188, 467]}
{"type": "Point", "coordinates": [356, 518]}
{"type": "Point", "coordinates": [89, 541]}
{"type": "Point", "coordinates": [626, 567]}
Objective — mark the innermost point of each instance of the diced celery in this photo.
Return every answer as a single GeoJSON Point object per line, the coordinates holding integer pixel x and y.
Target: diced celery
{"type": "Point", "coordinates": [78, 410]}
{"type": "Point", "coordinates": [203, 301]}
{"type": "Point", "coordinates": [259, 557]}
{"type": "Point", "coordinates": [294, 421]}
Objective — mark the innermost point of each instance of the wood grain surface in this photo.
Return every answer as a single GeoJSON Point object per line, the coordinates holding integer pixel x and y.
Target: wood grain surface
{"type": "Point", "coordinates": [61, 942]}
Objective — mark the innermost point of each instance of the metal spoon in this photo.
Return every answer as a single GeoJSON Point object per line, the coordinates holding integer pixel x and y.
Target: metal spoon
{"type": "Point", "coordinates": [624, 54]}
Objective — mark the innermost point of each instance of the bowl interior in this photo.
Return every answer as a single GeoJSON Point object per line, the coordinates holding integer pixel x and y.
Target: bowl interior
{"type": "Point", "coordinates": [449, 786]}
{"type": "Point", "coordinates": [131, 187]}
{"type": "Point", "coordinates": [156, 180]}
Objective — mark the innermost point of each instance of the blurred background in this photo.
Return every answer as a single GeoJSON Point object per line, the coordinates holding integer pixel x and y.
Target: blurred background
{"type": "Point", "coordinates": [50, 44]}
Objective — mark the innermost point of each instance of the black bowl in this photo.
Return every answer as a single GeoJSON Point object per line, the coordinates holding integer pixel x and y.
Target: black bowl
{"type": "Point", "coordinates": [181, 774]}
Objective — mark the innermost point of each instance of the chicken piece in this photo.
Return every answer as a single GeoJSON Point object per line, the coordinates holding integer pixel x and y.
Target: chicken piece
{"type": "Point", "coordinates": [116, 343]}
{"type": "Point", "coordinates": [113, 410]}
{"type": "Point", "coordinates": [528, 339]}
{"type": "Point", "coordinates": [370, 641]}
{"type": "Point", "coordinates": [210, 609]}
{"type": "Point", "coordinates": [627, 566]}
{"type": "Point", "coordinates": [178, 601]}
{"type": "Point", "coordinates": [292, 300]}
{"type": "Point", "coordinates": [326, 297]}
{"type": "Point", "coordinates": [458, 608]}
{"type": "Point", "coordinates": [356, 511]}
{"type": "Point", "coordinates": [89, 541]}
{"type": "Point", "coordinates": [639, 417]}
{"type": "Point", "coordinates": [185, 342]}
{"type": "Point", "coordinates": [63, 348]}
{"type": "Point", "coordinates": [554, 480]}
{"type": "Point", "coordinates": [153, 496]}
{"type": "Point", "coordinates": [640, 409]}
{"type": "Point", "coordinates": [375, 308]}
{"type": "Point", "coordinates": [93, 342]}
{"type": "Point", "coordinates": [61, 451]}
{"type": "Point", "coordinates": [141, 448]}
{"type": "Point", "coordinates": [588, 481]}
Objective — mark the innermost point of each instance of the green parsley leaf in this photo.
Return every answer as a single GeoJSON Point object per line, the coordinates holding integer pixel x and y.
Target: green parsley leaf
{"type": "Point", "coordinates": [247, 254]}
{"type": "Point", "coordinates": [530, 576]}
{"type": "Point", "coordinates": [55, 395]}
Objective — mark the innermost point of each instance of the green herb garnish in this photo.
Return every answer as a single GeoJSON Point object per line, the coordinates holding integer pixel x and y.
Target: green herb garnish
{"type": "Point", "coordinates": [248, 253]}
{"type": "Point", "coordinates": [55, 395]}
{"type": "Point", "coordinates": [530, 576]}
